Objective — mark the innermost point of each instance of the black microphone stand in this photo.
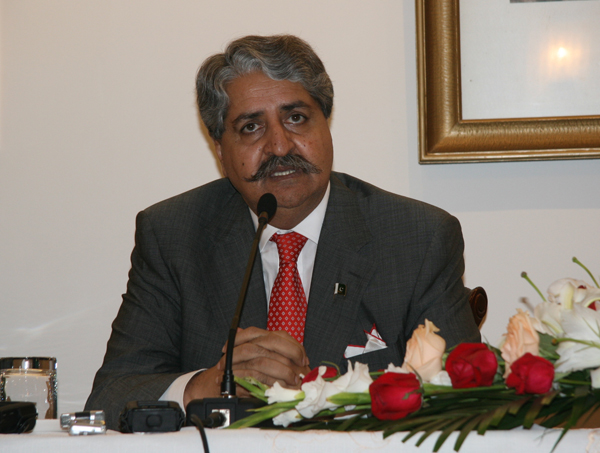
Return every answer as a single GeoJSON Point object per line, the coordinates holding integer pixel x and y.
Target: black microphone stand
{"type": "Point", "coordinates": [228, 383]}
{"type": "Point", "coordinates": [229, 405]}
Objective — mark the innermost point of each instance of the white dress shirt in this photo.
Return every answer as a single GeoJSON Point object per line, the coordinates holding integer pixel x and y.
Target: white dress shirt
{"type": "Point", "coordinates": [310, 227]}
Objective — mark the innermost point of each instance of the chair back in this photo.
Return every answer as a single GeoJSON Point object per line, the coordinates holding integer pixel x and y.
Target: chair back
{"type": "Point", "coordinates": [479, 303]}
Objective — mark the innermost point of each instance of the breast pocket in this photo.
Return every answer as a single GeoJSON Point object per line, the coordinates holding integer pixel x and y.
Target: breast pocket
{"type": "Point", "coordinates": [379, 360]}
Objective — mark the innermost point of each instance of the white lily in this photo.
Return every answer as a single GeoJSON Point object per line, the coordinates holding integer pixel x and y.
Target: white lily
{"type": "Point", "coordinates": [356, 380]}
{"type": "Point", "coordinates": [579, 347]}
{"type": "Point", "coordinates": [569, 291]}
{"type": "Point", "coordinates": [442, 378]}
{"type": "Point", "coordinates": [547, 318]}
{"type": "Point", "coordinates": [278, 394]}
{"type": "Point", "coordinates": [287, 417]}
{"type": "Point", "coordinates": [317, 392]}
{"type": "Point", "coordinates": [315, 400]}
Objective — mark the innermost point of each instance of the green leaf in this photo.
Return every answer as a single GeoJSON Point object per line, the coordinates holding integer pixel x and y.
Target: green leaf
{"type": "Point", "coordinates": [577, 411]}
{"type": "Point", "coordinates": [533, 412]}
{"type": "Point", "coordinates": [347, 424]}
{"type": "Point", "coordinates": [446, 432]}
{"type": "Point", "coordinates": [548, 347]}
{"type": "Point", "coordinates": [549, 397]}
{"type": "Point", "coordinates": [428, 429]}
{"type": "Point", "coordinates": [514, 406]}
{"type": "Point", "coordinates": [499, 414]}
{"type": "Point", "coordinates": [485, 423]}
{"type": "Point", "coordinates": [465, 431]}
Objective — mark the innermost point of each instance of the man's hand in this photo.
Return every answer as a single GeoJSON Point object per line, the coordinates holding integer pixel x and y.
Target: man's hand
{"type": "Point", "coordinates": [264, 355]}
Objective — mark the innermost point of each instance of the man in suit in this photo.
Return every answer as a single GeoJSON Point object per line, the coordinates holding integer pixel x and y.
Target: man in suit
{"type": "Point", "coordinates": [371, 258]}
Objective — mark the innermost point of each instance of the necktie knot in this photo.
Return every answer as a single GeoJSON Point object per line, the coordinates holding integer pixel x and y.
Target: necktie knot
{"type": "Point", "coordinates": [289, 246]}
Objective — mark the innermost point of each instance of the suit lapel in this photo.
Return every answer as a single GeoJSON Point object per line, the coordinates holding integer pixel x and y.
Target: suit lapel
{"type": "Point", "coordinates": [232, 233]}
{"type": "Point", "coordinates": [331, 318]}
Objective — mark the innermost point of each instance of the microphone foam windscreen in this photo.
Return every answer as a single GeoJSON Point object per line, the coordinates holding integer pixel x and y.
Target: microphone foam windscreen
{"type": "Point", "coordinates": [268, 204]}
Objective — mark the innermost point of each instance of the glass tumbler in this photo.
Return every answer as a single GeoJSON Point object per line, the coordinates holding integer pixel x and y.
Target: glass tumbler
{"type": "Point", "coordinates": [31, 379]}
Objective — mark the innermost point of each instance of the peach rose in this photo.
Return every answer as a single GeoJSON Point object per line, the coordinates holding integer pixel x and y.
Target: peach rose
{"type": "Point", "coordinates": [520, 338]}
{"type": "Point", "coordinates": [424, 351]}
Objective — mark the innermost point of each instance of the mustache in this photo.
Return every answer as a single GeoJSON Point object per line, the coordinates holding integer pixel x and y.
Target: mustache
{"type": "Point", "coordinates": [289, 161]}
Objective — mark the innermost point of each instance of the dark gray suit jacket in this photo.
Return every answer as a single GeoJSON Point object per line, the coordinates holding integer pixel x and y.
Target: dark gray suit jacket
{"type": "Point", "coordinates": [400, 259]}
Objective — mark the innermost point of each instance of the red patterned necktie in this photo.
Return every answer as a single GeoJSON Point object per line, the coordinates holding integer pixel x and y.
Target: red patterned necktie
{"type": "Point", "coordinates": [287, 308]}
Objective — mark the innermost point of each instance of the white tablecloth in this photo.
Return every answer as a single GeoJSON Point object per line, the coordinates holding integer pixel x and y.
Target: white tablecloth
{"type": "Point", "coordinates": [48, 437]}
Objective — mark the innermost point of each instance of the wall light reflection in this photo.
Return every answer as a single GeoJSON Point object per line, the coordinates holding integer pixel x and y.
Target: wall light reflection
{"type": "Point", "coordinates": [561, 52]}
{"type": "Point", "coordinates": [564, 59]}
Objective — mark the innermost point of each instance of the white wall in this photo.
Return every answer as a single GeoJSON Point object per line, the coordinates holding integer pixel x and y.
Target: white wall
{"type": "Point", "coordinates": [97, 121]}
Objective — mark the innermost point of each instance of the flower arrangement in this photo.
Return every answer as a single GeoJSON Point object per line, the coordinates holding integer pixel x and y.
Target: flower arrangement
{"type": "Point", "coordinates": [546, 371]}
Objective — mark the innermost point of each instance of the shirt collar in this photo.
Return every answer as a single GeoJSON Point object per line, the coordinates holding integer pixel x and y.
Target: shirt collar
{"type": "Point", "coordinates": [310, 227]}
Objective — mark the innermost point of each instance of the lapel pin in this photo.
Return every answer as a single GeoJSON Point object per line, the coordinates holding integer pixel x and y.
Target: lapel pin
{"type": "Point", "coordinates": [340, 289]}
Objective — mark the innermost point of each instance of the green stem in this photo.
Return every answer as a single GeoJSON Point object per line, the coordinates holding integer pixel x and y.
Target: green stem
{"type": "Point", "coordinates": [264, 413]}
{"type": "Point", "coordinates": [342, 411]}
{"type": "Point", "coordinates": [574, 340]}
{"type": "Point", "coordinates": [575, 260]}
{"type": "Point", "coordinates": [524, 275]}
{"type": "Point", "coordinates": [348, 399]}
{"type": "Point", "coordinates": [256, 388]}
{"type": "Point", "coordinates": [572, 382]}
{"type": "Point", "coordinates": [430, 389]}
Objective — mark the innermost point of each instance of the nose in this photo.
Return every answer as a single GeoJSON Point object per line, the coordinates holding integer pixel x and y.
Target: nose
{"type": "Point", "coordinates": [278, 140]}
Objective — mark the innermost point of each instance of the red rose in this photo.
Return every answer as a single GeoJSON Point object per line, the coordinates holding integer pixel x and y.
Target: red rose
{"type": "Point", "coordinates": [531, 374]}
{"type": "Point", "coordinates": [314, 373]}
{"type": "Point", "coordinates": [471, 365]}
{"type": "Point", "coordinates": [395, 395]}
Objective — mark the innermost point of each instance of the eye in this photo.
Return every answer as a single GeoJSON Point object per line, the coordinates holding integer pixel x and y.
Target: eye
{"type": "Point", "coordinates": [249, 128]}
{"type": "Point", "coordinates": [297, 118]}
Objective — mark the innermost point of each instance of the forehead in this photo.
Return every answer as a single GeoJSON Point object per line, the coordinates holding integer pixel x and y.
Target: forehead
{"type": "Point", "coordinates": [258, 92]}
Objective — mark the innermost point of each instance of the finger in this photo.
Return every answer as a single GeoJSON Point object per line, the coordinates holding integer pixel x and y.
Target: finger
{"type": "Point", "coordinates": [268, 363]}
{"type": "Point", "coordinates": [279, 342]}
{"type": "Point", "coordinates": [284, 344]}
{"type": "Point", "coordinates": [251, 356]}
{"type": "Point", "coordinates": [247, 334]}
{"type": "Point", "coordinates": [254, 353]}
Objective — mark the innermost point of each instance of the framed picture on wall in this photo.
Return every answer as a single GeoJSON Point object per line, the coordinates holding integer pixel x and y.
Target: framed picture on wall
{"type": "Point", "coordinates": [519, 86]}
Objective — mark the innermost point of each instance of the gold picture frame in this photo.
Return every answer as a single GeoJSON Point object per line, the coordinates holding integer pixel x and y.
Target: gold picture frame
{"type": "Point", "coordinates": [444, 137]}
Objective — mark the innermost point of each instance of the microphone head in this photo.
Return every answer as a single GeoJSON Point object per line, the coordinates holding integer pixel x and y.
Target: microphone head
{"type": "Point", "coordinates": [267, 205]}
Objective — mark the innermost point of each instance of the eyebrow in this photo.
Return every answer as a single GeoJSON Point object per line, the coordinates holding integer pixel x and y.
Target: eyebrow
{"type": "Point", "coordinates": [257, 114]}
{"type": "Point", "coordinates": [294, 105]}
{"type": "Point", "coordinates": [246, 116]}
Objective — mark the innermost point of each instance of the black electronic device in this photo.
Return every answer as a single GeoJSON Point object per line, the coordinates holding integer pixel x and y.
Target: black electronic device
{"type": "Point", "coordinates": [231, 409]}
{"type": "Point", "coordinates": [151, 417]}
{"type": "Point", "coordinates": [17, 417]}
{"type": "Point", "coordinates": [229, 405]}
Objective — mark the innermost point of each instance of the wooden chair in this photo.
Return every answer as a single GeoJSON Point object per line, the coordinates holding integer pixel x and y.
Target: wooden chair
{"type": "Point", "coordinates": [479, 303]}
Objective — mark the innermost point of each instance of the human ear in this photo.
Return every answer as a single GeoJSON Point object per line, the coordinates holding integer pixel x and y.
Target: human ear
{"type": "Point", "coordinates": [219, 151]}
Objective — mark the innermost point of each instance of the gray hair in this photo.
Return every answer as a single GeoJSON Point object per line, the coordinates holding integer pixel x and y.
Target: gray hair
{"type": "Point", "coordinates": [280, 57]}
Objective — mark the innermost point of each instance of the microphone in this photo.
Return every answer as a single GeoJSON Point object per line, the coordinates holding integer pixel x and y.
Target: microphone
{"type": "Point", "coordinates": [266, 208]}
{"type": "Point", "coordinates": [267, 205]}
{"type": "Point", "coordinates": [232, 407]}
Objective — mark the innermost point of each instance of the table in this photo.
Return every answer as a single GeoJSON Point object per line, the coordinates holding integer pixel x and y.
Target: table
{"type": "Point", "coordinates": [48, 437]}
